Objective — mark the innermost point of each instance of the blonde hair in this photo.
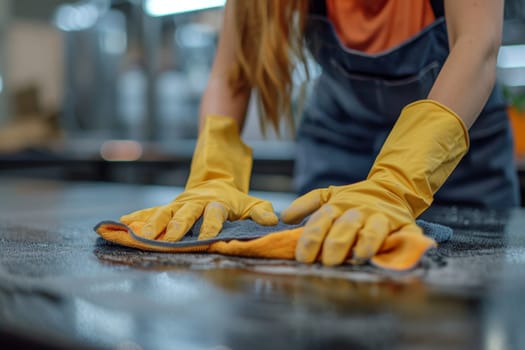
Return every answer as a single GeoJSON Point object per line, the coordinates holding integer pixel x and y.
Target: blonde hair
{"type": "Point", "coordinates": [268, 45]}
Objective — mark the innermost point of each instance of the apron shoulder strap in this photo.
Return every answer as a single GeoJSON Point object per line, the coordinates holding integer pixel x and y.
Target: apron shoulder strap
{"type": "Point", "coordinates": [438, 7]}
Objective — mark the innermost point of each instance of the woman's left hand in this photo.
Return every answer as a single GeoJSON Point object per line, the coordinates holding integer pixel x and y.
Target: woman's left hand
{"type": "Point", "coordinates": [425, 145]}
{"type": "Point", "coordinates": [348, 222]}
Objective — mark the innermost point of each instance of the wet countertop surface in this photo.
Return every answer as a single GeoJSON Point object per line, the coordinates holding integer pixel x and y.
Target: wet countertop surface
{"type": "Point", "coordinates": [62, 287]}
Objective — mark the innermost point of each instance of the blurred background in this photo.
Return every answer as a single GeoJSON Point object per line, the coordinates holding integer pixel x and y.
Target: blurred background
{"type": "Point", "coordinates": [109, 90]}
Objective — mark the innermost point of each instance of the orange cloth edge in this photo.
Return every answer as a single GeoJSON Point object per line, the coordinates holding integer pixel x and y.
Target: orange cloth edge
{"type": "Point", "coordinates": [396, 253]}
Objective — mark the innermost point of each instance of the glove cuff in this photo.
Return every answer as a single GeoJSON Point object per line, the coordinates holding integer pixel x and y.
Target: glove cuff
{"type": "Point", "coordinates": [424, 147]}
{"type": "Point", "coordinates": [427, 102]}
{"type": "Point", "coordinates": [220, 154]}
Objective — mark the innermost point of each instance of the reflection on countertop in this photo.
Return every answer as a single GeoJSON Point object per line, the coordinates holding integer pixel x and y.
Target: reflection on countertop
{"type": "Point", "coordinates": [62, 286]}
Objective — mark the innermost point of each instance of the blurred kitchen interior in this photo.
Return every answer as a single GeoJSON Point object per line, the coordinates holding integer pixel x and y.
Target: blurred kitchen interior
{"type": "Point", "coordinates": [109, 90]}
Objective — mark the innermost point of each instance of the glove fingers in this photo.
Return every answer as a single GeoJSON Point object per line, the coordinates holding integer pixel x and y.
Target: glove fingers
{"type": "Point", "coordinates": [263, 214]}
{"type": "Point", "coordinates": [341, 237]}
{"type": "Point", "coordinates": [314, 233]}
{"type": "Point", "coordinates": [412, 228]}
{"type": "Point", "coordinates": [214, 216]}
{"type": "Point", "coordinates": [157, 222]}
{"type": "Point", "coordinates": [302, 207]}
{"type": "Point", "coordinates": [370, 238]}
{"type": "Point", "coordinates": [183, 220]}
{"type": "Point", "coordinates": [139, 215]}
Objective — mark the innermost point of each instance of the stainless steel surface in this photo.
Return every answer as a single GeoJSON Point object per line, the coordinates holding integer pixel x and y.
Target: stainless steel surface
{"type": "Point", "coordinates": [95, 43]}
{"type": "Point", "coordinates": [511, 66]}
{"type": "Point", "coordinates": [126, 70]}
{"type": "Point", "coordinates": [62, 285]}
{"type": "Point", "coordinates": [5, 19]}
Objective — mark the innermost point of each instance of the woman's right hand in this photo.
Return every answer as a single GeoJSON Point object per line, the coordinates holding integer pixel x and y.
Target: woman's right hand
{"type": "Point", "coordinates": [217, 188]}
{"type": "Point", "coordinates": [215, 200]}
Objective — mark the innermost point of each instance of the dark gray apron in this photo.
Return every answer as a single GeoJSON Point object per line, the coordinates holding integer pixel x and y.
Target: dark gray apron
{"type": "Point", "coordinates": [357, 99]}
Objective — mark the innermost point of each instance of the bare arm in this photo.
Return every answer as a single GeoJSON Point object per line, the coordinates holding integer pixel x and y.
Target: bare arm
{"type": "Point", "coordinates": [468, 75]}
{"type": "Point", "coordinates": [218, 98]}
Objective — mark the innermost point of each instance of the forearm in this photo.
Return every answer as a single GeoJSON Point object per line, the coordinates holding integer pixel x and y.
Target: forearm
{"type": "Point", "coordinates": [467, 78]}
{"type": "Point", "coordinates": [218, 99]}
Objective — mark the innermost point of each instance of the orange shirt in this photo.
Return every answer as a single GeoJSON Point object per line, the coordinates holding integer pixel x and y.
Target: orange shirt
{"type": "Point", "coordinates": [373, 26]}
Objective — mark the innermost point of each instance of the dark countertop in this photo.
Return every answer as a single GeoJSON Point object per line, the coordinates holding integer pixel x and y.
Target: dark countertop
{"type": "Point", "coordinates": [63, 287]}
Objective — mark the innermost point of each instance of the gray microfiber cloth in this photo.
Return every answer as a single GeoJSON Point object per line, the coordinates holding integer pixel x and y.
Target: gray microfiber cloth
{"type": "Point", "coordinates": [248, 230]}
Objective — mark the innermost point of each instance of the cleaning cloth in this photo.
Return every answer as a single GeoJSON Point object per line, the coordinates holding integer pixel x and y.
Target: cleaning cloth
{"type": "Point", "coordinates": [246, 238]}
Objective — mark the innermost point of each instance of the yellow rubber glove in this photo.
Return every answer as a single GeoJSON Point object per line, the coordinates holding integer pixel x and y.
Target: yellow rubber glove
{"type": "Point", "coordinates": [425, 145]}
{"type": "Point", "coordinates": [216, 188]}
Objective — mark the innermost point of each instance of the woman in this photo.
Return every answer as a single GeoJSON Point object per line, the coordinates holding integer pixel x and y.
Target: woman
{"type": "Point", "coordinates": [404, 92]}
